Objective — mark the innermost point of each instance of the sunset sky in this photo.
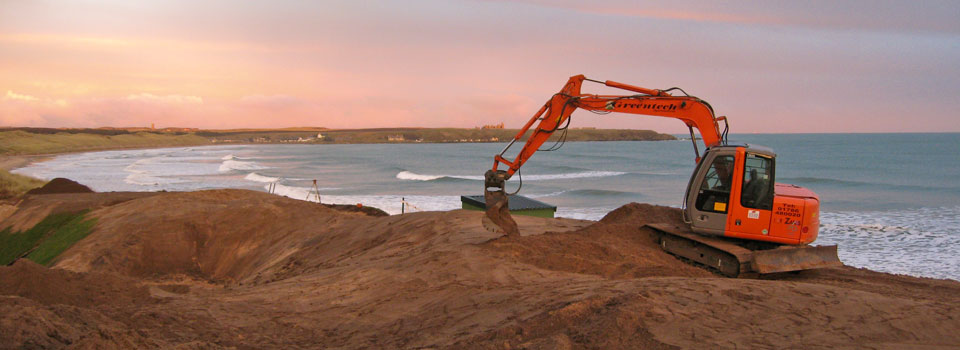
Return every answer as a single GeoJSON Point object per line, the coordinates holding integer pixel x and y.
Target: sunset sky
{"type": "Point", "coordinates": [770, 66]}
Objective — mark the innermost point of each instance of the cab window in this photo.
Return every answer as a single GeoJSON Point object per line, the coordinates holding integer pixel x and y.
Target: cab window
{"type": "Point", "coordinates": [714, 191]}
{"type": "Point", "coordinates": [757, 192]}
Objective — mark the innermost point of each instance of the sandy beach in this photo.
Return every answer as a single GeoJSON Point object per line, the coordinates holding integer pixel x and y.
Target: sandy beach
{"type": "Point", "coordinates": [240, 269]}
{"type": "Point", "coordinates": [13, 162]}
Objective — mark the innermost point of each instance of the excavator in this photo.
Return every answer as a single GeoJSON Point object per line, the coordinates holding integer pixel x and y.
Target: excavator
{"type": "Point", "coordinates": [737, 221]}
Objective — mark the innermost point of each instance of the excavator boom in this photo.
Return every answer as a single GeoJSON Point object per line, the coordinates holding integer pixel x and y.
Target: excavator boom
{"type": "Point", "coordinates": [694, 112]}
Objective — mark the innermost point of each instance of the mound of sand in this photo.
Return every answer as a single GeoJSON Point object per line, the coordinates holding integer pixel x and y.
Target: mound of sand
{"type": "Point", "coordinates": [233, 268]}
{"type": "Point", "coordinates": [33, 209]}
{"type": "Point", "coordinates": [616, 247]}
{"type": "Point", "coordinates": [61, 185]}
{"type": "Point", "coordinates": [56, 286]}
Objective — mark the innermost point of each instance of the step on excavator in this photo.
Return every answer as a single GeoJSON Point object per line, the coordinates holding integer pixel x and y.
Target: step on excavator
{"type": "Point", "coordinates": [738, 221]}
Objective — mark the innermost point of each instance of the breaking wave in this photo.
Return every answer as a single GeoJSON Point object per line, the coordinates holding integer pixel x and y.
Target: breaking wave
{"type": "Point", "coordinates": [408, 175]}
{"type": "Point", "coordinates": [229, 165]}
{"type": "Point", "coordinates": [260, 178]}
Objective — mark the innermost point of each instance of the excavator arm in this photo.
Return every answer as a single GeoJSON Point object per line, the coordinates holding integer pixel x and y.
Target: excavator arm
{"type": "Point", "coordinates": [555, 115]}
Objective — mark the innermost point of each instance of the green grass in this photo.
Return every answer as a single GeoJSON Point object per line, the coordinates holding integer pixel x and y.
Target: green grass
{"type": "Point", "coordinates": [15, 185]}
{"type": "Point", "coordinates": [47, 239]}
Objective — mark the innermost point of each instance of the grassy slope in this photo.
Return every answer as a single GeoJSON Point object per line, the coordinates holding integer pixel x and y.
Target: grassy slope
{"type": "Point", "coordinates": [46, 240]}
{"type": "Point", "coordinates": [21, 142]}
{"type": "Point", "coordinates": [14, 185]}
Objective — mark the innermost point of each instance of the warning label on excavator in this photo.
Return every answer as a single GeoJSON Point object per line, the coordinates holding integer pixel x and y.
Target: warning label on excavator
{"type": "Point", "coordinates": [786, 209]}
{"type": "Point", "coordinates": [753, 214]}
{"type": "Point", "coordinates": [719, 206]}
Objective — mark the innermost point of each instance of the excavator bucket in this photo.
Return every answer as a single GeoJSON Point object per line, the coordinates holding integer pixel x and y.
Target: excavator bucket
{"type": "Point", "coordinates": [497, 217]}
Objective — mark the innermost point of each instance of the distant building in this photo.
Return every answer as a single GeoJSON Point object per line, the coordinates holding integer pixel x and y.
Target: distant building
{"type": "Point", "coordinates": [493, 126]}
{"type": "Point", "coordinates": [395, 138]}
{"type": "Point", "coordinates": [179, 129]}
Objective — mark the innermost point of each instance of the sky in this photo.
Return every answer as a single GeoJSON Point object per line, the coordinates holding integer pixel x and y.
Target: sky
{"type": "Point", "coordinates": [769, 66]}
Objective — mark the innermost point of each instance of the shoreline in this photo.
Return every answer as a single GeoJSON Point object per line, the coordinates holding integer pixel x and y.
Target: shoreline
{"type": "Point", "coordinates": [16, 161]}
{"type": "Point", "coordinates": [9, 163]}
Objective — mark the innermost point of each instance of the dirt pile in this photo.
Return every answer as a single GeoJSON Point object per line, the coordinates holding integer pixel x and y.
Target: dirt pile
{"type": "Point", "coordinates": [34, 208]}
{"type": "Point", "coordinates": [61, 185]}
{"type": "Point", "coordinates": [221, 235]}
{"type": "Point", "coordinates": [369, 211]}
{"type": "Point", "coordinates": [54, 309]}
{"type": "Point", "coordinates": [615, 247]}
{"type": "Point", "coordinates": [243, 269]}
{"type": "Point", "coordinates": [56, 286]}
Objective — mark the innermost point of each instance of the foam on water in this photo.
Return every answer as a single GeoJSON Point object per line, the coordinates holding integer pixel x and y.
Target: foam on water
{"type": "Point", "coordinates": [260, 178]}
{"type": "Point", "coordinates": [919, 242]}
{"type": "Point", "coordinates": [231, 165]}
{"type": "Point", "coordinates": [296, 192]}
{"type": "Point", "coordinates": [408, 175]}
{"type": "Point", "coordinates": [388, 203]}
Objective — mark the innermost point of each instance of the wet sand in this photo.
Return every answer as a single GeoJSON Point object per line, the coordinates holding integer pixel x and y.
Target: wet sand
{"type": "Point", "coordinates": [13, 162]}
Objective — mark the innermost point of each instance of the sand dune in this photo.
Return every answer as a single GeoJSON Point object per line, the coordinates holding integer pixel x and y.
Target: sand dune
{"type": "Point", "coordinates": [244, 269]}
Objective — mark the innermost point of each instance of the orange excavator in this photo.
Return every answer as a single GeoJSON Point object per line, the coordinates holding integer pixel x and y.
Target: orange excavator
{"type": "Point", "coordinates": [738, 221]}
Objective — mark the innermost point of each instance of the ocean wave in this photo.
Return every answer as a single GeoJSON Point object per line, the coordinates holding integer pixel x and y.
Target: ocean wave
{"type": "Point", "coordinates": [585, 192]}
{"type": "Point", "coordinates": [388, 203]}
{"type": "Point", "coordinates": [579, 175]}
{"type": "Point", "coordinates": [141, 180]}
{"type": "Point", "coordinates": [551, 194]}
{"type": "Point", "coordinates": [296, 192]}
{"type": "Point", "coordinates": [896, 240]}
{"type": "Point", "coordinates": [141, 177]}
{"type": "Point", "coordinates": [809, 180]}
{"type": "Point", "coordinates": [260, 178]}
{"type": "Point", "coordinates": [144, 179]}
{"type": "Point", "coordinates": [229, 157]}
{"type": "Point", "coordinates": [229, 165]}
{"type": "Point", "coordinates": [409, 175]}
{"type": "Point", "coordinates": [603, 193]}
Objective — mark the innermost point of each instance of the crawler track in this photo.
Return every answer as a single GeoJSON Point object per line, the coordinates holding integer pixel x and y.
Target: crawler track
{"type": "Point", "coordinates": [736, 258]}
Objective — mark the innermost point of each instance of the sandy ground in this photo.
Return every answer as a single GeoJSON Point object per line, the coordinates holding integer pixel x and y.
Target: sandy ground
{"type": "Point", "coordinates": [241, 269]}
{"type": "Point", "coordinates": [13, 162]}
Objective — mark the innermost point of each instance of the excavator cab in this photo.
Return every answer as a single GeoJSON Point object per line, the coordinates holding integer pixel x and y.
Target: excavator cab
{"type": "Point", "coordinates": [732, 193]}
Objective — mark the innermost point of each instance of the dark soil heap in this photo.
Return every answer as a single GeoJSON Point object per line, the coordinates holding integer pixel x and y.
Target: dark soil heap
{"type": "Point", "coordinates": [61, 185]}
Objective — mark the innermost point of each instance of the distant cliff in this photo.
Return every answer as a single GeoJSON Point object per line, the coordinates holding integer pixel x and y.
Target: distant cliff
{"type": "Point", "coordinates": [21, 141]}
{"type": "Point", "coordinates": [421, 135]}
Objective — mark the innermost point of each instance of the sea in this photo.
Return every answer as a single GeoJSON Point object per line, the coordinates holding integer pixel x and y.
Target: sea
{"type": "Point", "coordinates": [890, 201]}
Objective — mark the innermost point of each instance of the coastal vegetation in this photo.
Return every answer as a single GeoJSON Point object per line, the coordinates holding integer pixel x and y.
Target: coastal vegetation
{"type": "Point", "coordinates": [20, 142]}
{"type": "Point", "coordinates": [15, 185]}
{"type": "Point", "coordinates": [33, 141]}
{"type": "Point", "coordinates": [420, 135]}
